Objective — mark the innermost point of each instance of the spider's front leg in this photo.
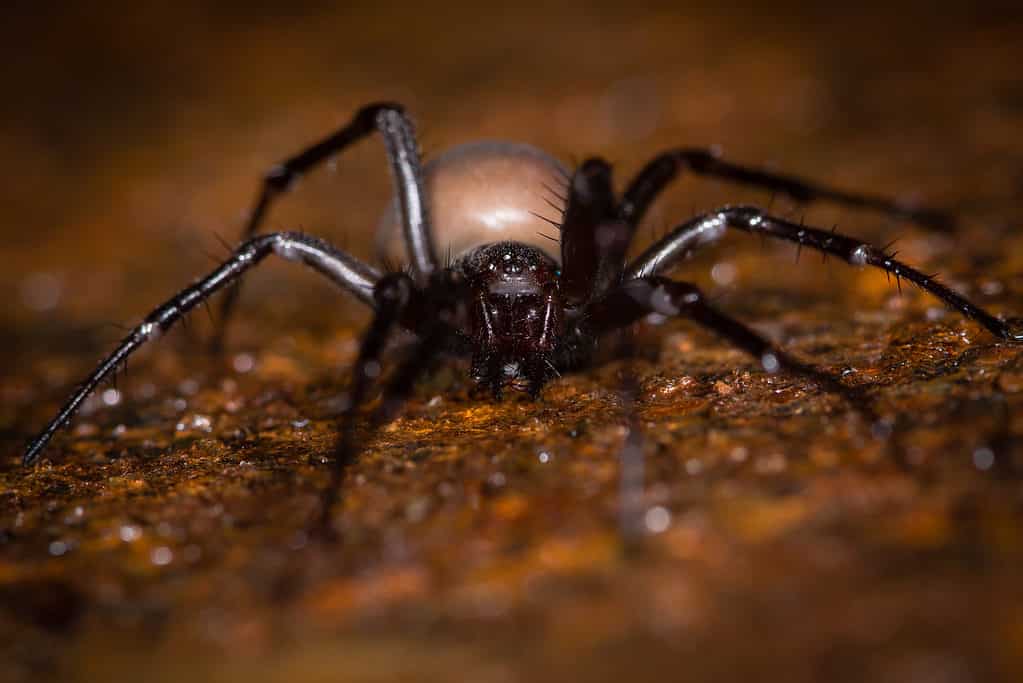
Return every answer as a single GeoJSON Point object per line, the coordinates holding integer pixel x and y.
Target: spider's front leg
{"type": "Point", "coordinates": [403, 156]}
{"type": "Point", "coordinates": [711, 227]}
{"type": "Point", "coordinates": [344, 270]}
{"type": "Point", "coordinates": [430, 313]}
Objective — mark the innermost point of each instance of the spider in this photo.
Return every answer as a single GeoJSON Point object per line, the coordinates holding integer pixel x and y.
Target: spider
{"type": "Point", "coordinates": [519, 312]}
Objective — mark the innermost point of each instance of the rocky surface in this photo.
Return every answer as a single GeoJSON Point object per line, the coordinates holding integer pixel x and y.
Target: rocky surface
{"type": "Point", "coordinates": [776, 533]}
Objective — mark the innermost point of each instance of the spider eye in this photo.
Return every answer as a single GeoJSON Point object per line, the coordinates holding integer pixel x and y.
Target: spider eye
{"type": "Point", "coordinates": [557, 272]}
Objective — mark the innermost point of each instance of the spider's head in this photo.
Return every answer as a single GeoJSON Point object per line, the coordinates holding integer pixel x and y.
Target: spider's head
{"type": "Point", "coordinates": [517, 315]}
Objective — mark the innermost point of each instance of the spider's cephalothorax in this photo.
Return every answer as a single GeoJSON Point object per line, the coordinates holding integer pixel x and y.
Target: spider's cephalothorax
{"type": "Point", "coordinates": [520, 310]}
{"type": "Point", "coordinates": [516, 314]}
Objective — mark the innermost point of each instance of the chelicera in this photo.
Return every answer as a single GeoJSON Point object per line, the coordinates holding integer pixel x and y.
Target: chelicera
{"type": "Point", "coordinates": [523, 307]}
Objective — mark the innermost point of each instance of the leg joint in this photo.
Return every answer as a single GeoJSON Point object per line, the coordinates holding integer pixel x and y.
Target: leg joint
{"type": "Point", "coordinates": [699, 160]}
{"type": "Point", "coordinates": [369, 115]}
{"type": "Point", "coordinates": [393, 289]}
{"type": "Point", "coordinates": [664, 296]}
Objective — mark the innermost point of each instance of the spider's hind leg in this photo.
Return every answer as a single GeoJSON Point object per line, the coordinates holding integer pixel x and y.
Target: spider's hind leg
{"type": "Point", "coordinates": [639, 297]}
{"type": "Point", "coordinates": [666, 167]}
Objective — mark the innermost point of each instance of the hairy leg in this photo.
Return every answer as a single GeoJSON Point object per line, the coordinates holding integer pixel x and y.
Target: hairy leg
{"type": "Point", "coordinates": [711, 227]}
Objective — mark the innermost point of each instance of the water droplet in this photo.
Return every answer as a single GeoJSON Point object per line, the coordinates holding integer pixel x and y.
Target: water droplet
{"type": "Point", "coordinates": [417, 509]}
{"type": "Point", "coordinates": [58, 548]}
{"type": "Point", "coordinates": [161, 556]}
{"type": "Point", "coordinates": [110, 397]}
{"type": "Point", "coordinates": [724, 273]}
{"type": "Point", "coordinates": [983, 458]}
{"type": "Point", "coordinates": [243, 362]}
{"type": "Point", "coordinates": [202, 423]}
{"type": "Point", "coordinates": [76, 515]}
{"type": "Point", "coordinates": [544, 457]}
{"type": "Point", "coordinates": [129, 533]}
{"type": "Point", "coordinates": [657, 519]}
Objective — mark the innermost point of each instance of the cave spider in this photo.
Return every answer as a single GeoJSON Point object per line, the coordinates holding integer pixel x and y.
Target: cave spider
{"type": "Point", "coordinates": [520, 313]}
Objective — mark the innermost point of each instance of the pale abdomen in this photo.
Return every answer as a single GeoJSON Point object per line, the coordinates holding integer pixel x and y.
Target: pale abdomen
{"type": "Point", "coordinates": [484, 192]}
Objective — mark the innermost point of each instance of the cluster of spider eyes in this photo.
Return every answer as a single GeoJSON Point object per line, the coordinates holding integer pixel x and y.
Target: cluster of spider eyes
{"type": "Point", "coordinates": [507, 257]}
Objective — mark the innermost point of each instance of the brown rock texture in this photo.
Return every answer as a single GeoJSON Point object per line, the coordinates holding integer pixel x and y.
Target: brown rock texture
{"type": "Point", "coordinates": [166, 533]}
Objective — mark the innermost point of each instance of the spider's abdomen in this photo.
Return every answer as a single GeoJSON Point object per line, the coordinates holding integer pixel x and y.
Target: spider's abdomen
{"type": "Point", "coordinates": [485, 192]}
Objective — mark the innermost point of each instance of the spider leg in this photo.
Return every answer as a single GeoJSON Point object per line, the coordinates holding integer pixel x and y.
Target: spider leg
{"type": "Point", "coordinates": [712, 226]}
{"type": "Point", "coordinates": [664, 168]}
{"type": "Point", "coordinates": [403, 155]}
{"type": "Point", "coordinates": [397, 301]}
{"type": "Point", "coordinates": [346, 271]}
{"type": "Point", "coordinates": [593, 238]}
{"type": "Point", "coordinates": [636, 298]}
{"type": "Point", "coordinates": [392, 294]}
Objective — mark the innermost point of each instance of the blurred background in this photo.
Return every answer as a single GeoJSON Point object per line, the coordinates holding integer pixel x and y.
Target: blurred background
{"type": "Point", "coordinates": [134, 136]}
